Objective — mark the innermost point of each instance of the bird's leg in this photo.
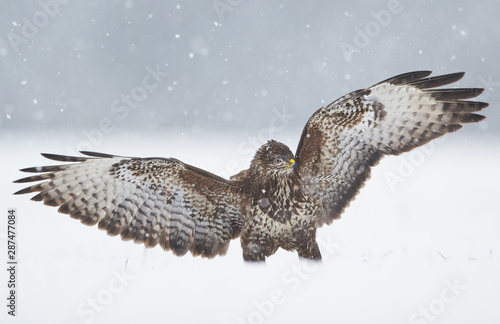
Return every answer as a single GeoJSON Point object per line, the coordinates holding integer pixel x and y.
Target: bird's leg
{"type": "Point", "coordinates": [254, 258]}
{"type": "Point", "coordinates": [253, 251]}
{"type": "Point", "coordinates": [310, 251]}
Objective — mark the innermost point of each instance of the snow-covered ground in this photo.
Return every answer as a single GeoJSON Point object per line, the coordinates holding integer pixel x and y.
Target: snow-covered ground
{"type": "Point", "coordinates": [420, 244]}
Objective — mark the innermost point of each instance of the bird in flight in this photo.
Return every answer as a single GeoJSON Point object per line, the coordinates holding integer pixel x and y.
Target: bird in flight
{"type": "Point", "coordinates": [282, 198]}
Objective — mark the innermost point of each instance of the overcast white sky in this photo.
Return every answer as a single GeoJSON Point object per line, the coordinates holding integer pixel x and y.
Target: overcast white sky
{"type": "Point", "coordinates": [226, 67]}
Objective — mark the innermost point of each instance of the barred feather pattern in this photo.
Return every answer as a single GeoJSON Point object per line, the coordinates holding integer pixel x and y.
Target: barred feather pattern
{"type": "Point", "coordinates": [281, 214]}
{"type": "Point", "coordinates": [342, 141]}
{"type": "Point", "coordinates": [282, 199]}
{"type": "Point", "coordinates": [147, 200]}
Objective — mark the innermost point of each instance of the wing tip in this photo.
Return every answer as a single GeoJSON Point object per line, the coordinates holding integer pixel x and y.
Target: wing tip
{"type": "Point", "coordinates": [97, 154]}
{"type": "Point", "coordinates": [24, 191]}
{"type": "Point", "coordinates": [455, 76]}
{"type": "Point", "coordinates": [479, 91]}
{"type": "Point", "coordinates": [480, 105]}
{"type": "Point", "coordinates": [63, 158]}
{"type": "Point", "coordinates": [28, 179]}
{"type": "Point", "coordinates": [473, 118]}
{"type": "Point", "coordinates": [454, 94]}
{"type": "Point", "coordinates": [408, 77]}
{"type": "Point", "coordinates": [31, 170]}
{"type": "Point", "coordinates": [422, 80]}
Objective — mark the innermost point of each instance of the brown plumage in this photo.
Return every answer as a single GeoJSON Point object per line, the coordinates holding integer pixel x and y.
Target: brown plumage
{"type": "Point", "coordinates": [282, 199]}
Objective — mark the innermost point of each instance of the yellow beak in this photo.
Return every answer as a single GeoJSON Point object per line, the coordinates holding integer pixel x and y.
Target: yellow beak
{"type": "Point", "coordinates": [292, 164]}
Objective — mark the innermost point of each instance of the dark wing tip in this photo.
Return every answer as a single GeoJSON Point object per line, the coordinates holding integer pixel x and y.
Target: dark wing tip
{"type": "Point", "coordinates": [31, 170]}
{"type": "Point", "coordinates": [38, 197]}
{"type": "Point", "coordinates": [453, 128]}
{"type": "Point", "coordinates": [449, 78]}
{"type": "Point", "coordinates": [97, 154]}
{"type": "Point", "coordinates": [437, 81]}
{"type": "Point", "coordinates": [478, 105]}
{"type": "Point", "coordinates": [475, 92]}
{"type": "Point", "coordinates": [406, 77]}
{"type": "Point", "coordinates": [457, 75]}
{"type": "Point", "coordinates": [64, 209]}
{"type": "Point", "coordinates": [472, 118]}
{"type": "Point", "coordinates": [64, 158]}
{"type": "Point", "coordinates": [24, 191]}
{"type": "Point", "coordinates": [35, 178]}
{"type": "Point", "coordinates": [479, 91]}
{"type": "Point", "coordinates": [454, 94]}
{"type": "Point", "coordinates": [50, 168]}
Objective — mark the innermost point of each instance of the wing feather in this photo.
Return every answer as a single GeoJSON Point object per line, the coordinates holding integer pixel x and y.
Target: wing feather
{"type": "Point", "coordinates": [436, 81]}
{"type": "Point", "coordinates": [147, 200]}
{"type": "Point", "coordinates": [342, 141]}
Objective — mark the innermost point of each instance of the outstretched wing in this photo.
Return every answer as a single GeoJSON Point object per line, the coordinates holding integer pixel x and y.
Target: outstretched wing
{"type": "Point", "coordinates": [341, 141]}
{"type": "Point", "coordinates": [148, 200]}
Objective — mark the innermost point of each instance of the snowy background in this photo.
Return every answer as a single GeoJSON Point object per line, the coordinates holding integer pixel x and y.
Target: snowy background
{"type": "Point", "coordinates": [208, 82]}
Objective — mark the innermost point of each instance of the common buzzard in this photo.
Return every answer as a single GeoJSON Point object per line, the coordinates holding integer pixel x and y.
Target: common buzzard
{"type": "Point", "coordinates": [282, 198]}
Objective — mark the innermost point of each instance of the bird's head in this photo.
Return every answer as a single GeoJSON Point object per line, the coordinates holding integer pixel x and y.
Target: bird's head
{"type": "Point", "coordinates": [273, 159]}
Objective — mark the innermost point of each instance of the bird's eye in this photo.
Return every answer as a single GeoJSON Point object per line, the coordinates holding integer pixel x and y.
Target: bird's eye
{"type": "Point", "coordinates": [278, 161]}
